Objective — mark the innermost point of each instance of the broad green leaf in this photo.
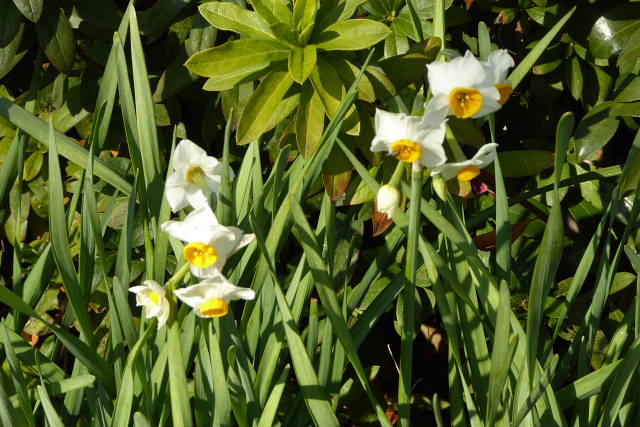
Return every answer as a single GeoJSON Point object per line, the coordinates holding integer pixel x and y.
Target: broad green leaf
{"type": "Point", "coordinates": [594, 131]}
{"type": "Point", "coordinates": [330, 88]}
{"type": "Point", "coordinates": [31, 9]}
{"type": "Point", "coordinates": [627, 88]}
{"type": "Point", "coordinates": [155, 20]}
{"type": "Point", "coordinates": [347, 72]}
{"type": "Point", "coordinates": [612, 30]}
{"type": "Point", "coordinates": [237, 58]}
{"type": "Point", "coordinates": [202, 36]}
{"type": "Point", "coordinates": [231, 17]}
{"type": "Point", "coordinates": [466, 131]}
{"type": "Point", "coordinates": [410, 67]}
{"type": "Point", "coordinates": [56, 37]}
{"type": "Point", "coordinates": [522, 163]}
{"type": "Point", "coordinates": [304, 14]}
{"type": "Point", "coordinates": [302, 61]}
{"type": "Point", "coordinates": [262, 106]}
{"type": "Point", "coordinates": [309, 121]}
{"type": "Point", "coordinates": [32, 165]}
{"type": "Point", "coordinates": [10, 21]}
{"type": "Point", "coordinates": [573, 74]}
{"type": "Point", "coordinates": [631, 49]}
{"type": "Point", "coordinates": [352, 34]}
{"type": "Point", "coordinates": [286, 34]}
{"type": "Point", "coordinates": [274, 11]}
{"type": "Point", "coordinates": [231, 80]}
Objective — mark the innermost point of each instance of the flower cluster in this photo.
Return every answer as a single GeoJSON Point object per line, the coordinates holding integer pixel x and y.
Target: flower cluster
{"type": "Point", "coordinates": [463, 87]}
{"type": "Point", "coordinates": [209, 244]}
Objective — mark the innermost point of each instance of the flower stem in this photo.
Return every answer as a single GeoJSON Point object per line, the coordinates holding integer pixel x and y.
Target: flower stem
{"type": "Point", "coordinates": [408, 299]}
{"type": "Point", "coordinates": [172, 283]}
{"type": "Point", "coordinates": [397, 174]}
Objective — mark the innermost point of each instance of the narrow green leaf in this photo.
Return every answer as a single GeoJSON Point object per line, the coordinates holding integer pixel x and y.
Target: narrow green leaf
{"type": "Point", "coordinates": [60, 244]}
{"type": "Point", "coordinates": [53, 419]}
{"type": "Point", "coordinates": [180, 405]}
{"type": "Point", "coordinates": [270, 409]}
{"type": "Point", "coordinates": [66, 147]}
{"type": "Point", "coordinates": [527, 63]}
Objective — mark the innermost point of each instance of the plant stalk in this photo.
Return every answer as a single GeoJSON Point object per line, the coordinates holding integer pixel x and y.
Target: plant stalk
{"type": "Point", "coordinates": [408, 299]}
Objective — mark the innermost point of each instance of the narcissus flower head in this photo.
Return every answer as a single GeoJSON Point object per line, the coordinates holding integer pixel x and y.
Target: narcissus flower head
{"type": "Point", "coordinates": [469, 169]}
{"type": "Point", "coordinates": [151, 296]}
{"type": "Point", "coordinates": [209, 244]}
{"type": "Point", "coordinates": [463, 87]}
{"type": "Point", "coordinates": [409, 139]}
{"type": "Point", "coordinates": [498, 64]}
{"type": "Point", "coordinates": [210, 298]}
{"type": "Point", "coordinates": [195, 177]}
{"type": "Point", "coordinates": [388, 200]}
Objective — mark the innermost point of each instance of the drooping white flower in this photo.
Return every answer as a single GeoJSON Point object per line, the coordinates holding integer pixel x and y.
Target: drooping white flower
{"type": "Point", "coordinates": [195, 177]}
{"type": "Point", "coordinates": [388, 200]}
{"type": "Point", "coordinates": [209, 244]}
{"type": "Point", "coordinates": [210, 298]}
{"type": "Point", "coordinates": [409, 138]}
{"type": "Point", "coordinates": [469, 169]}
{"type": "Point", "coordinates": [151, 296]}
{"type": "Point", "coordinates": [463, 87]}
{"type": "Point", "coordinates": [498, 64]}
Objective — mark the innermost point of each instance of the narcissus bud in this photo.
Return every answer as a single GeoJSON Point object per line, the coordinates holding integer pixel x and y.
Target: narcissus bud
{"type": "Point", "coordinates": [388, 200]}
{"type": "Point", "coordinates": [439, 186]}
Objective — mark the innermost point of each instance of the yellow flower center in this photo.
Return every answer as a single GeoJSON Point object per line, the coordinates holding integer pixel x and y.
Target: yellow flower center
{"type": "Point", "coordinates": [200, 255]}
{"type": "Point", "coordinates": [155, 297]}
{"type": "Point", "coordinates": [407, 151]}
{"type": "Point", "coordinates": [505, 90]}
{"type": "Point", "coordinates": [467, 173]}
{"type": "Point", "coordinates": [214, 307]}
{"type": "Point", "coordinates": [465, 102]}
{"type": "Point", "coordinates": [195, 175]}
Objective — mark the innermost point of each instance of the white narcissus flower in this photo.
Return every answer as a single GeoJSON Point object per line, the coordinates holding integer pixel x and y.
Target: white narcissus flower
{"type": "Point", "coordinates": [463, 87]}
{"type": "Point", "coordinates": [498, 64]}
{"type": "Point", "coordinates": [150, 295]}
{"type": "Point", "coordinates": [195, 177]}
{"type": "Point", "coordinates": [210, 298]}
{"type": "Point", "coordinates": [209, 244]}
{"type": "Point", "coordinates": [409, 138]}
{"type": "Point", "coordinates": [469, 169]}
{"type": "Point", "coordinates": [388, 199]}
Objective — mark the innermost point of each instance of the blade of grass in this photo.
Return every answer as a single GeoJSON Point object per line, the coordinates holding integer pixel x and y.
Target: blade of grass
{"type": "Point", "coordinates": [270, 409]}
{"type": "Point", "coordinates": [18, 378]}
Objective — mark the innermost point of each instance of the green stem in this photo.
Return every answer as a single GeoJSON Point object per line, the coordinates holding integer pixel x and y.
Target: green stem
{"type": "Point", "coordinates": [408, 299]}
{"type": "Point", "coordinates": [172, 283]}
{"type": "Point", "coordinates": [397, 174]}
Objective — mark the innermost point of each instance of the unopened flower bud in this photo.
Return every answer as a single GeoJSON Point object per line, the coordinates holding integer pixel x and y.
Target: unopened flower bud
{"type": "Point", "coordinates": [388, 199]}
{"type": "Point", "coordinates": [439, 186]}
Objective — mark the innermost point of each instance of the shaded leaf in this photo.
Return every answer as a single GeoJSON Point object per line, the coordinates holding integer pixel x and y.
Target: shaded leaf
{"type": "Point", "coordinates": [309, 121]}
{"type": "Point", "coordinates": [56, 36]}
{"type": "Point", "coordinates": [612, 30]}
{"type": "Point", "coordinates": [302, 60]}
{"type": "Point", "coordinates": [594, 131]}
{"type": "Point", "coordinates": [10, 21]}
{"type": "Point", "coordinates": [31, 9]}
{"type": "Point", "coordinates": [522, 163]}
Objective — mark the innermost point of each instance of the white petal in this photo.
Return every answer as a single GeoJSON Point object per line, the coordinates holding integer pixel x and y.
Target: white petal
{"type": "Point", "coordinates": [490, 98]}
{"type": "Point", "coordinates": [464, 71]}
{"type": "Point", "coordinates": [500, 61]}
{"type": "Point", "coordinates": [433, 156]}
{"type": "Point", "coordinates": [202, 217]}
{"type": "Point", "coordinates": [206, 273]}
{"type": "Point", "coordinates": [485, 155]}
{"type": "Point", "coordinates": [437, 110]}
{"type": "Point", "coordinates": [181, 230]}
{"type": "Point", "coordinates": [175, 194]}
{"type": "Point", "coordinates": [195, 197]}
{"type": "Point", "coordinates": [241, 293]}
{"type": "Point", "coordinates": [154, 286]}
{"type": "Point", "coordinates": [193, 295]}
{"type": "Point", "coordinates": [220, 287]}
{"type": "Point", "coordinates": [379, 144]}
{"type": "Point", "coordinates": [187, 153]}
